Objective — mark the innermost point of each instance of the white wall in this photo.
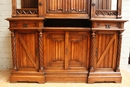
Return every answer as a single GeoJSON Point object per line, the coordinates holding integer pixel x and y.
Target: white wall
{"type": "Point", "coordinates": [5, 41]}
{"type": "Point", "coordinates": [126, 34]}
{"type": "Point", "coordinates": [5, 46]}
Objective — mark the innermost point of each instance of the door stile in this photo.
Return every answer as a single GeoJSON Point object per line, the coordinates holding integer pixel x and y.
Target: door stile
{"type": "Point", "coordinates": [66, 49]}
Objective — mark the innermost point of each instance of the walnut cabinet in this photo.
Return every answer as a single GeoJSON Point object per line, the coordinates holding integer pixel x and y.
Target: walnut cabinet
{"type": "Point", "coordinates": [66, 40]}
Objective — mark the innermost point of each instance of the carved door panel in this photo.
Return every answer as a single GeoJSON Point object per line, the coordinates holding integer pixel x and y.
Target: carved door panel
{"type": "Point", "coordinates": [65, 50]}
{"type": "Point", "coordinates": [106, 50]}
{"type": "Point", "coordinates": [79, 46]}
{"type": "Point", "coordinates": [27, 50]}
{"type": "Point", "coordinates": [67, 6]}
{"type": "Point", "coordinates": [54, 49]}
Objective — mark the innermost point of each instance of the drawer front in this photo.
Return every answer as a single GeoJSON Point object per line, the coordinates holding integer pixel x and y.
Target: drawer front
{"type": "Point", "coordinates": [107, 25]}
{"type": "Point", "coordinates": [24, 24]}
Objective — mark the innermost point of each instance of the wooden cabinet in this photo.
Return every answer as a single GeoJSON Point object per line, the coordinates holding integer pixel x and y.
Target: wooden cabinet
{"type": "Point", "coordinates": [65, 54]}
{"type": "Point", "coordinates": [66, 40]}
{"type": "Point", "coordinates": [25, 57]}
{"type": "Point", "coordinates": [105, 48]}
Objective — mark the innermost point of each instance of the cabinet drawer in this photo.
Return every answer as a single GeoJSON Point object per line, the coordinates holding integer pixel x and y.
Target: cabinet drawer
{"type": "Point", "coordinates": [24, 24]}
{"type": "Point", "coordinates": [107, 25]}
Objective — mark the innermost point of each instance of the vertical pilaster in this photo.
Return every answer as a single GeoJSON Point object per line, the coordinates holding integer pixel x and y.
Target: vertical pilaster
{"type": "Point", "coordinates": [119, 8]}
{"type": "Point", "coordinates": [92, 8]}
{"type": "Point", "coordinates": [14, 7]}
{"type": "Point", "coordinates": [41, 7]}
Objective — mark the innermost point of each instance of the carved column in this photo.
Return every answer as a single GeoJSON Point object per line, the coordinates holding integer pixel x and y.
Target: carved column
{"type": "Point", "coordinates": [93, 40]}
{"type": "Point", "coordinates": [41, 50]}
{"type": "Point", "coordinates": [13, 42]}
{"type": "Point", "coordinates": [119, 51]}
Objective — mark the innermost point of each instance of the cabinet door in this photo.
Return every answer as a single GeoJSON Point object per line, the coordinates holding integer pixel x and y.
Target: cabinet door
{"type": "Point", "coordinates": [66, 50]}
{"type": "Point", "coordinates": [27, 50]}
{"type": "Point", "coordinates": [54, 49]}
{"type": "Point", "coordinates": [79, 46]}
{"type": "Point", "coordinates": [106, 51]}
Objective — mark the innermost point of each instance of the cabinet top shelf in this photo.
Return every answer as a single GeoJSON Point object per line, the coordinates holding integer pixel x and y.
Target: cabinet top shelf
{"type": "Point", "coordinates": [63, 9]}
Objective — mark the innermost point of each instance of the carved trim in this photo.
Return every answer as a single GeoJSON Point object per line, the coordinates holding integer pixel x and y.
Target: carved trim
{"type": "Point", "coordinates": [93, 4]}
{"type": "Point", "coordinates": [25, 25]}
{"type": "Point", "coordinates": [26, 11]}
{"type": "Point", "coordinates": [13, 41]}
{"type": "Point", "coordinates": [40, 3]}
{"type": "Point", "coordinates": [41, 49]}
{"type": "Point", "coordinates": [105, 13]}
{"type": "Point", "coordinates": [93, 40]}
{"type": "Point", "coordinates": [107, 25]}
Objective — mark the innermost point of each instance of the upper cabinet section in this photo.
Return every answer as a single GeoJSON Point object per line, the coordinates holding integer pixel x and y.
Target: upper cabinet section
{"type": "Point", "coordinates": [106, 8]}
{"type": "Point", "coordinates": [62, 9]}
{"type": "Point", "coordinates": [29, 3]}
{"type": "Point", "coordinates": [67, 9]}
{"type": "Point", "coordinates": [24, 8]}
{"type": "Point", "coordinates": [67, 6]}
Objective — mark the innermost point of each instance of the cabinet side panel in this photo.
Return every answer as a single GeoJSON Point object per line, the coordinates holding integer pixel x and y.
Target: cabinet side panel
{"type": "Point", "coordinates": [26, 48]}
{"type": "Point", "coordinates": [106, 47]}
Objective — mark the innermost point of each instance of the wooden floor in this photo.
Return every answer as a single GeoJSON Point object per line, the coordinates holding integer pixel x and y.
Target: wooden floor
{"type": "Point", "coordinates": [4, 82]}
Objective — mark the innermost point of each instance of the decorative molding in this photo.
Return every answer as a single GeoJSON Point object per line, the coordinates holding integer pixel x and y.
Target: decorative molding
{"type": "Point", "coordinates": [78, 38]}
{"type": "Point", "coordinates": [54, 37]}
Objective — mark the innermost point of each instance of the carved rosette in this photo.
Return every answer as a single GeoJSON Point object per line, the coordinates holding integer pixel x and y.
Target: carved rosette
{"type": "Point", "coordinates": [40, 50]}
{"type": "Point", "coordinates": [119, 50]}
{"type": "Point", "coordinates": [13, 41]}
{"type": "Point", "coordinates": [93, 40]}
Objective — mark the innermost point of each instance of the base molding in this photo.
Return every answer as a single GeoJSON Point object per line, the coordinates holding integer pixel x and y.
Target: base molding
{"type": "Point", "coordinates": [27, 77]}
{"type": "Point", "coordinates": [66, 76]}
{"type": "Point", "coordinates": [104, 75]}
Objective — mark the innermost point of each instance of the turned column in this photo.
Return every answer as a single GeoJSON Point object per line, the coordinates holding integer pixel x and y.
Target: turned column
{"type": "Point", "coordinates": [93, 49]}
{"type": "Point", "coordinates": [119, 51]}
{"type": "Point", "coordinates": [40, 50]}
{"type": "Point", "coordinates": [13, 42]}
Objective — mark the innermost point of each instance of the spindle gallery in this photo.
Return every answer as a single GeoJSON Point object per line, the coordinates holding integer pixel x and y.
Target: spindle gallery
{"type": "Point", "coordinates": [66, 40]}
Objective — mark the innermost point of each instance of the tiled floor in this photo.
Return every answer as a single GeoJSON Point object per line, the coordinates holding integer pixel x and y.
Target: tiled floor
{"type": "Point", "coordinates": [4, 82]}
